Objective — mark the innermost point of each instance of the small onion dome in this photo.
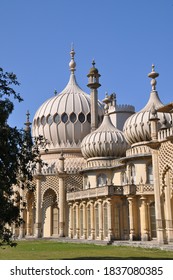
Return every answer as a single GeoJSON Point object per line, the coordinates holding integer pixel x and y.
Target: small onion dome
{"type": "Point", "coordinates": [93, 70]}
{"type": "Point", "coordinates": [105, 141]}
{"type": "Point", "coordinates": [137, 127]}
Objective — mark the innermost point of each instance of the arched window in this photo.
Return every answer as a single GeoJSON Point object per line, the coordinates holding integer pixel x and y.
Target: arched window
{"type": "Point", "coordinates": [149, 174]}
{"type": "Point", "coordinates": [86, 184]}
{"type": "Point", "coordinates": [101, 180]}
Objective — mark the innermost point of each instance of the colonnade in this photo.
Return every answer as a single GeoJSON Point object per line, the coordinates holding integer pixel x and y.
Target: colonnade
{"type": "Point", "coordinates": [91, 220]}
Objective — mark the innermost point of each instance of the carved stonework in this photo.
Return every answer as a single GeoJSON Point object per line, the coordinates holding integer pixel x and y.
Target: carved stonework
{"type": "Point", "coordinates": [165, 161]}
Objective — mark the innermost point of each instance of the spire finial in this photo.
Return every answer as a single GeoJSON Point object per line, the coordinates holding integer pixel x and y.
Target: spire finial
{"type": "Point", "coordinates": [93, 63]}
{"type": "Point", "coordinates": [72, 63]}
{"type": "Point", "coordinates": [153, 75]}
{"type": "Point", "coordinates": [106, 101]}
{"type": "Point", "coordinates": [28, 123]}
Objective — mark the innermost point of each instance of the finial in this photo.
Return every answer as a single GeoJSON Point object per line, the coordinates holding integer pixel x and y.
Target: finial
{"type": "Point", "coordinates": [93, 63]}
{"type": "Point", "coordinates": [153, 75]}
{"type": "Point", "coordinates": [72, 63]}
{"type": "Point", "coordinates": [28, 123]}
{"type": "Point", "coordinates": [106, 101]}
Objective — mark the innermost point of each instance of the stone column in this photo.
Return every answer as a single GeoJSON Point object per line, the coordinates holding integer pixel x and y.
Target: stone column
{"type": "Point", "coordinates": [38, 219]}
{"type": "Point", "coordinates": [70, 220]}
{"type": "Point", "coordinates": [84, 221]}
{"type": "Point", "coordinates": [28, 227]}
{"type": "Point", "coordinates": [100, 220]}
{"type": "Point", "coordinates": [109, 220]}
{"type": "Point", "coordinates": [77, 220]}
{"type": "Point", "coordinates": [157, 197]}
{"type": "Point", "coordinates": [131, 217]}
{"type": "Point", "coordinates": [125, 220]}
{"type": "Point", "coordinates": [62, 203]}
{"type": "Point", "coordinates": [92, 221]}
{"type": "Point", "coordinates": [144, 219]}
{"type": "Point", "coordinates": [21, 230]}
{"type": "Point", "coordinates": [168, 212]}
{"type": "Point", "coordinates": [154, 144]}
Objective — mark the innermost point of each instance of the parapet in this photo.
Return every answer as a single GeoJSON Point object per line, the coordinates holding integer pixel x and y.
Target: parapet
{"type": "Point", "coordinates": [125, 108]}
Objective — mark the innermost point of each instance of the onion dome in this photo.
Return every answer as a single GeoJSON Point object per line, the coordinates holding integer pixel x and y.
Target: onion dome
{"type": "Point", "coordinates": [137, 127]}
{"type": "Point", "coordinates": [65, 119]}
{"type": "Point", "coordinates": [105, 141]}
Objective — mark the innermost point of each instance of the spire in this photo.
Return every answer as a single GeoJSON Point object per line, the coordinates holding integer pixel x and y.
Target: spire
{"type": "Point", "coordinates": [28, 123]}
{"type": "Point", "coordinates": [93, 84]}
{"type": "Point", "coordinates": [72, 63]}
{"type": "Point", "coordinates": [153, 75]}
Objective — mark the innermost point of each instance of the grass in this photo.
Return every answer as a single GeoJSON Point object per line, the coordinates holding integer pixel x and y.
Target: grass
{"type": "Point", "coordinates": [52, 250]}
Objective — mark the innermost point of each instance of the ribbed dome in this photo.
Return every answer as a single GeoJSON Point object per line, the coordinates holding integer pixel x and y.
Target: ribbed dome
{"type": "Point", "coordinates": [137, 127]}
{"type": "Point", "coordinates": [106, 141]}
{"type": "Point", "coordinates": [65, 119]}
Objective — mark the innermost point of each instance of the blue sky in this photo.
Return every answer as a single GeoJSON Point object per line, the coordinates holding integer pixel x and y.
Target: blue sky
{"type": "Point", "coordinates": [125, 37]}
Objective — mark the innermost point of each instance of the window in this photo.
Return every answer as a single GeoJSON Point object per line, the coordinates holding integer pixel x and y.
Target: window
{"type": "Point", "coordinates": [123, 178]}
{"type": "Point", "coordinates": [43, 120]}
{"type": "Point", "coordinates": [101, 180]}
{"type": "Point", "coordinates": [73, 117]}
{"type": "Point", "coordinates": [89, 117]}
{"type": "Point", "coordinates": [132, 174]}
{"type": "Point", "coordinates": [38, 121]}
{"type": "Point", "coordinates": [64, 118]}
{"type": "Point", "coordinates": [149, 174]}
{"type": "Point", "coordinates": [86, 184]}
{"type": "Point", "coordinates": [81, 117]}
{"type": "Point", "coordinates": [56, 118]}
{"type": "Point", "coordinates": [49, 119]}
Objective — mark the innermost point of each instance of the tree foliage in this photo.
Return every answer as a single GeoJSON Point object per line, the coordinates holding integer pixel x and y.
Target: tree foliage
{"type": "Point", "coordinates": [19, 155]}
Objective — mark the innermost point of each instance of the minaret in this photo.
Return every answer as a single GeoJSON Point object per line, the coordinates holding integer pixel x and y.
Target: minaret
{"type": "Point", "coordinates": [93, 84]}
{"type": "Point", "coordinates": [27, 131]}
{"type": "Point", "coordinates": [28, 123]}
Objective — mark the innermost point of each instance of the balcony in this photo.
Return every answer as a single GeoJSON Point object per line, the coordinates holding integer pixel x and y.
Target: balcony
{"type": "Point", "coordinates": [130, 189]}
{"type": "Point", "coordinates": [165, 134]}
{"type": "Point", "coordinates": [95, 192]}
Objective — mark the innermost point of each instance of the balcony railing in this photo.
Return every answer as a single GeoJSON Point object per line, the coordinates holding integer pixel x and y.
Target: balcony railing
{"type": "Point", "coordinates": [146, 189]}
{"type": "Point", "coordinates": [165, 133]}
{"type": "Point", "coordinates": [95, 192]}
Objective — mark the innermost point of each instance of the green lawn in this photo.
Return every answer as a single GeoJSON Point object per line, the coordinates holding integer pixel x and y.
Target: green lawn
{"type": "Point", "coordinates": [52, 250]}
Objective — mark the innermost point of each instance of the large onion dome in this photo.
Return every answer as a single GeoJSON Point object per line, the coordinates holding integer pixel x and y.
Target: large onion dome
{"type": "Point", "coordinates": [137, 127]}
{"type": "Point", "coordinates": [105, 141]}
{"type": "Point", "coordinates": [65, 119]}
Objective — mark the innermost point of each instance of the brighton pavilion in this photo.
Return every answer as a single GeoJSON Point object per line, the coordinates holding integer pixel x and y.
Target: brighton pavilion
{"type": "Point", "coordinates": [109, 170]}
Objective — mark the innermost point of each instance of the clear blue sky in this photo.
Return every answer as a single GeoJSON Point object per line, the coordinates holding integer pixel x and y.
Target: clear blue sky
{"type": "Point", "coordinates": [123, 36]}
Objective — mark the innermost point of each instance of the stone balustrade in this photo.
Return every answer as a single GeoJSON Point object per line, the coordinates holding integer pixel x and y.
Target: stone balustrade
{"type": "Point", "coordinates": [165, 133]}
{"type": "Point", "coordinates": [147, 189]}
{"type": "Point", "coordinates": [95, 192]}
